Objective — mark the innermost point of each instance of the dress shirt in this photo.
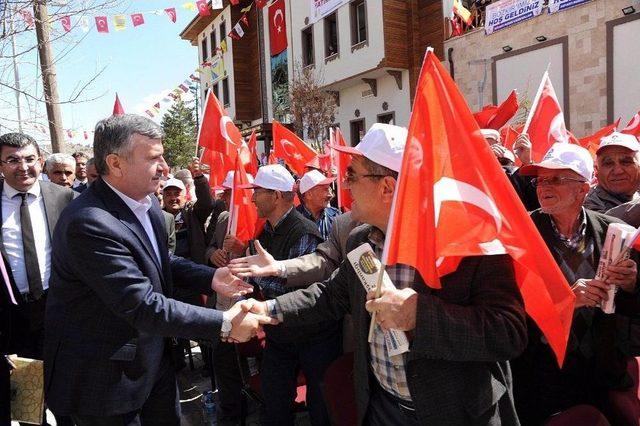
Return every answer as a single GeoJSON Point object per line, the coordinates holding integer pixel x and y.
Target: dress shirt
{"type": "Point", "coordinates": [77, 183]}
{"type": "Point", "coordinates": [12, 234]}
{"type": "Point", "coordinates": [141, 210]}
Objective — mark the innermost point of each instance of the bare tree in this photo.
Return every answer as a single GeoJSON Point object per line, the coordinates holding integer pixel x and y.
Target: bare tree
{"type": "Point", "coordinates": [312, 108]}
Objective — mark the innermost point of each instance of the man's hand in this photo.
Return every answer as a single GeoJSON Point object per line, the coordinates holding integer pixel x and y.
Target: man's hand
{"type": "Point", "coordinates": [258, 265]}
{"type": "Point", "coordinates": [233, 245]}
{"type": "Point", "coordinates": [194, 167]}
{"type": "Point", "coordinates": [522, 148]}
{"type": "Point", "coordinates": [228, 285]}
{"type": "Point", "coordinates": [396, 309]}
{"type": "Point", "coordinates": [219, 258]}
{"type": "Point", "coordinates": [256, 307]}
{"type": "Point", "coordinates": [245, 325]}
{"type": "Point", "coordinates": [623, 274]}
{"type": "Point", "coordinates": [590, 292]}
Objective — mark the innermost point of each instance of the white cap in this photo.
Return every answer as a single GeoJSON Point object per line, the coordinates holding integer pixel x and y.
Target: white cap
{"type": "Point", "coordinates": [490, 133]}
{"type": "Point", "coordinates": [565, 156]}
{"type": "Point", "coordinates": [383, 144]}
{"type": "Point", "coordinates": [313, 178]}
{"type": "Point", "coordinates": [508, 154]}
{"type": "Point", "coordinates": [177, 183]}
{"type": "Point", "coordinates": [228, 180]}
{"type": "Point", "coordinates": [272, 176]}
{"type": "Point", "coordinates": [620, 139]}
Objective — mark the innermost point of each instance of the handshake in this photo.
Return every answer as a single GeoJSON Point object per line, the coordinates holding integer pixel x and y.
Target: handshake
{"type": "Point", "coordinates": [247, 316]}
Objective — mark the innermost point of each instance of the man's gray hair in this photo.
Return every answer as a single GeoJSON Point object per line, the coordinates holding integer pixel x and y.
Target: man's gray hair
{"type": "Point", "coordinates": [113, 136]}
{"type": "Point", "coordinates": [60, 158]}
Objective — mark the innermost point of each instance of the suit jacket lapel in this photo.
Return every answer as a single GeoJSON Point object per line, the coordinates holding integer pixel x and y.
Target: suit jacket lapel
{"type": "Point", "coordinates": [51, 207]}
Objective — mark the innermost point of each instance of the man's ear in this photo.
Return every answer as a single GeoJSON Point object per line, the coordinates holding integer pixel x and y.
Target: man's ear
{"type": "Point", "coordinates": [114, 165]}
{"type": "Point", "coordinates": [388, 187]}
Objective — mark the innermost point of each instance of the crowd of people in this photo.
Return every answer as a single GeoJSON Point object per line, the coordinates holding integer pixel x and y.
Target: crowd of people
{"type": "Point", "coordinates": [113, 266]}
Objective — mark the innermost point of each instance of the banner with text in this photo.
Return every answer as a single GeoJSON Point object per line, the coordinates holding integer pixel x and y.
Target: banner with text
{"type": "Point", "coordinates": [560, 5]}
{"type": "Point", "coordinates": [505, 13]}
{"type": "Point", "coordinates": [322, 8]}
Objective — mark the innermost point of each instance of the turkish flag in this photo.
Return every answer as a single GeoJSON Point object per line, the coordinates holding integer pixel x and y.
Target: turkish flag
{"type": "Point", "coordinates": [447, 206]}
{"type": "Point", "coordinates": [633, 127]}
{"type": "Point", "coordinates": [66, 23]}
{"type": "Point", "coordinates": [545, 124]}
{"type": "Point", "coordinates": [243, 213]}
{"type": "Point", "coordinates": [101, 24]}
{"type": "Point", "coordinates": [494, 117]}
{"type": "Point", "coordinates": [288, 146]}
{"type": "Point", "coordinates": [117, 107]}
{"type": "Point", "coordinates": [252, 167]}
{"type": "Point", "coordinates": [171, 13]}
{"type": "Point", "coordinates": [277, 27]}
{"type": "Point", "coordinates": [218, 164]}
{"type": "Point", "coordinates": [217, 131]}
{"type": "Point", "coordinates": [341, 160]}
{"type": "Point", "coordinates": [484, 116]}
{"type": "Point", "coordinates": [594, 139]}
{"type": "Point", "coordinates": [203, 8]}
{"type": "Point", "coordinates": [137, 19]}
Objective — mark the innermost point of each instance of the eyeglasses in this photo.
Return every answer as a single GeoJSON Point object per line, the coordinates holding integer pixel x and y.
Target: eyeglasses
{"type": "Point", "coordinates": [351, 178]}
{"type": "Point", "coordinates": [554, 181]}
{"type": "Point", "coordinates": [15, 161]}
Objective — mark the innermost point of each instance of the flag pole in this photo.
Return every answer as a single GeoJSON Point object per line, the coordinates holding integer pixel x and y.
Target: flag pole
{"type": "Point", "coordinates": [534, 105]}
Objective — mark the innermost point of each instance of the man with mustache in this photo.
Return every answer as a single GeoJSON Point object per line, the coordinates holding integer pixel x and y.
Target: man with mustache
{"type": "Point", "coordinates": [316, 195]}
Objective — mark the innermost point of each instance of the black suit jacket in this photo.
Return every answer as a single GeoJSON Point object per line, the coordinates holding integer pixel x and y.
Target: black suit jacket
{"type": "Point", "coordinates": [457, 368]}
{"type": "Point", "coordinates": [14, 322]}
{"type": "Point", "coordinates": [108, 309]}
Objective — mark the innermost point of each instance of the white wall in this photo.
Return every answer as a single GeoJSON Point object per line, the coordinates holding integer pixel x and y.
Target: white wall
{"type": "Point", "coordinates": [351, 99]}
{"type": "Point", "coordinates": [626, 63]}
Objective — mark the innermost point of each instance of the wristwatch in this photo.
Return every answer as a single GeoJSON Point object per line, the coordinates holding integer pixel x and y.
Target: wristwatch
{"type": "Point", "coordinates": [225, 330]}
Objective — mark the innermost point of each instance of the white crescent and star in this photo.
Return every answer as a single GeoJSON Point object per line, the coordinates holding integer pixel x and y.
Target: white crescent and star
{"type": "Point", "coordinates": [635, 122]}
{"type": "Point", "coordinates": [275, 15]}
{"type": "Point", "coordinates": [224, 120]}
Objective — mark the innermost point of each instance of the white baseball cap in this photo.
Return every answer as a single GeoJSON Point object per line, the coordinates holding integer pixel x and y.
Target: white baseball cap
{"type": "Point", "coordinates": [177, 183]}
{"type": "Point", "coordinates": [490, 133]}
{"type": "Point", "coordinates": [383, 144]}
{"type": "Point", "coordinates": [565, 156]}
{"type": "Point", "coordinates": [228, 181]}
{"type": "Point", "coordinates": [620, 139]}
{"type": "Point", "coordinates": [312, 179]}
{"type": "Point", "coordinates": [272, 176]}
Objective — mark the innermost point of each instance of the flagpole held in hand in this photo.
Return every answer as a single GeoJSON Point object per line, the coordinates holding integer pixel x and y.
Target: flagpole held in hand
{"type": "Point", "coordinates": [378, 294]}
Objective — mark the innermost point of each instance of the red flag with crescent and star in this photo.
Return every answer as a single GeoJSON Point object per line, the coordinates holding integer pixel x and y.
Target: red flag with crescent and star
{"type": "Point", "coordinates": [218, 132]}
{"type": "Point", "coordinates": [203, 8]}
{"type": "Point", "coordinates": [171, 13]}
{"type": "Point", "coordinates": [66, 23]}
{"type": "Point", "coordinates": [288, 146]}
{"type": "Point", "coordinates": [447, 207]}
{"type": "Point", "coordinates": [277, 28]}
{"type": "Point", "coordinates": [101, 24]}
{"type": "Point", "coordinates": [137, 19]}
{"type": "Point", "coordinates": [633, 127]}
{"type": "Point", "coordinates": [545, 124]}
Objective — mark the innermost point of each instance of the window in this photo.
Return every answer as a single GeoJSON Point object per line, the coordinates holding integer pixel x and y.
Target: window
{"type": "Point", "coordinates": [225, 93]}
{"type": "Point", "coordinates": [223, 30]}
{"type": "Point", "coordinates": [331, 35]}
{"type": "Point", "coordinates": [214, 43]}
{"type": "Point", "coordinates": [205, 54]}
{"type": "Point", "coordinates": [215, 91]}
{"type": "Point", "coordinates": [358, 22]}
{"type": "Point", "coordinates": [389, 118]}
{"type": "Point", "coordinates": [357, 131]}
{"type": "Point", "coordinates": [307, 46]}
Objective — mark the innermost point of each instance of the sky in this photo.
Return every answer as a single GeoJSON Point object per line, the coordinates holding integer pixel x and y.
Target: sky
{"type": "Point", "coordinates": [141, 64]}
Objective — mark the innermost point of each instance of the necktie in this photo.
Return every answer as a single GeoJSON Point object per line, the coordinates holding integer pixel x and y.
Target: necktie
{"type": "Point", "coordinates": [30, 254]}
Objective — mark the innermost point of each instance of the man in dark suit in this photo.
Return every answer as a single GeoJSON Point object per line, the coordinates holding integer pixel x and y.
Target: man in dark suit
{"type": "Point", "coordinates": [109, 314]}
{"type": "Point", "coordinates": [461, 336]}
{"type": "Point", "coordinates": [30, 209]}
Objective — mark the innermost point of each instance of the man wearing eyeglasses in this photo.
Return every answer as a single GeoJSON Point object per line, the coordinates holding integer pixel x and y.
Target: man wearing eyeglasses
{"type": "Point", "coordinates": [575, 237]}
{"type": "Point", "coordinates": [30, 210]}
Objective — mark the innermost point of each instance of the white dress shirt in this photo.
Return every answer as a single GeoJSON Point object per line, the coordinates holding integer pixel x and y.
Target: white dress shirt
{"type": "Point", "coordinates": [77, 183]}
{"type": "Point", "coordinates": [141, 210]}
{"type": "Point", "coordinates": [12, 234]}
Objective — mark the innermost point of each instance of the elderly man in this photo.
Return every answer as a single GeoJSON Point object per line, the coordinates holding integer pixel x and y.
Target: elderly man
{"type": "Point", "coordinates": [575, 237]}
{"type": "Point", "coordinates": [61, 169]}
{"type": "Point", "coordinates": [311, 348]}
{"type": "Point", "coordinates": [82, 180]}
{"type": "Point", "coordinates": [456, 370]}
{"type": "Point", "coordinates": [618, 173]}
{"type": "Point", "coordinates": [110, 313]}
{"type": "Point", "coordinates": [316, 192]}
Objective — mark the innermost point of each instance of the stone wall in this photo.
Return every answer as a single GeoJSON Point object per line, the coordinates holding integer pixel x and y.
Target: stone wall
{"type": "Point", "coordinates": [585, 27]}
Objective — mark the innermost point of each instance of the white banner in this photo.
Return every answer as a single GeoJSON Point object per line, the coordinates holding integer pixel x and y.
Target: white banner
{"type": "Point", "coordinates": [322, 8]}
{"type": "Point", "coordinates": [505, 13]}
{"type": "Point", "coordinates": [560, 5]}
